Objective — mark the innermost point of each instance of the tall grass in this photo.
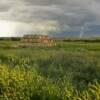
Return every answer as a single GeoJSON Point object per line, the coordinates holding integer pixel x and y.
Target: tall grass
{"type": "Point", "coordinates": [60, 73]}
{"type": "Point", "coordinates": [21, 84]}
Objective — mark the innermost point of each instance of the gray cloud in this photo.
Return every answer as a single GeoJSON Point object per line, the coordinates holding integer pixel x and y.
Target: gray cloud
{"type": "Point", "coordinates": [65, 15]}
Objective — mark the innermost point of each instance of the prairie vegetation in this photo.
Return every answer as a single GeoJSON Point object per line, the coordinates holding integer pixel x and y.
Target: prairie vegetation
{"type": "Point", "coordinates": [69, 71]}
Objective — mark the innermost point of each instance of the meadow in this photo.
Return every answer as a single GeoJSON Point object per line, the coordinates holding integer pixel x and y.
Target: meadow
{"type": "Point", "coordinates": [68, 71]}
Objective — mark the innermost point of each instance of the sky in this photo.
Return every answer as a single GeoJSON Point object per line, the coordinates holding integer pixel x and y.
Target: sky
{"type": "Point", "coordinates": [53, 17]}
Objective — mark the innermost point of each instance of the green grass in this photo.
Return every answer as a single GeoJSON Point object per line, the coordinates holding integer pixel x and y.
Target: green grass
{"type": "Point", "coordinates": [69, 71]}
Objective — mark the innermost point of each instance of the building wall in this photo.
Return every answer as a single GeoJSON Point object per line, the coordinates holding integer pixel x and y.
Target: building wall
{"type": "Point", "coordinates": [39, 39]}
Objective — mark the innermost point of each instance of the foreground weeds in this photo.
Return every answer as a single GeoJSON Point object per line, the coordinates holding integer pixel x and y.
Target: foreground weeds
{"type": "Point", "coordinates": [67, 72]}
{"type": "Point", "coordinates": [19, 84]}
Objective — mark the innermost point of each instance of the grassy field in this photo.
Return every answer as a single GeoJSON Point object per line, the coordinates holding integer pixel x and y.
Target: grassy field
{"type": "Point", "coordinates": [69, 71]}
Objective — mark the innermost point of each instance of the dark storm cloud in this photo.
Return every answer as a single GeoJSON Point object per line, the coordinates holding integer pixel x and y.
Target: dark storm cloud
{"type": "Point", "coordinates": [65, 15]}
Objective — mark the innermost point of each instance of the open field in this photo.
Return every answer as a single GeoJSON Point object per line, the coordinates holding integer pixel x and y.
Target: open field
{"type": "Point", "coordinates": [69, 71]}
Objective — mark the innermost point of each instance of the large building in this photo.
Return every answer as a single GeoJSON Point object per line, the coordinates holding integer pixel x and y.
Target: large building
{"type": "Point", "coordinates": [39, 40]}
